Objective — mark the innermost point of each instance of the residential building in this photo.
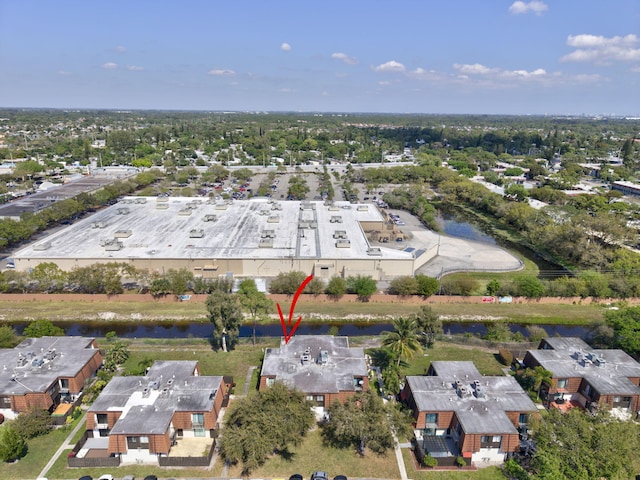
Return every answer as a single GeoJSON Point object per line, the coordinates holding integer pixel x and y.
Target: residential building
{"type": "Point", "coordinates": [46, 372]}
{"type": "Point", "coordinates": [586, 376]}
{"type": "Point", "coordinates": [324, 367]}
{"type": "Point", "coordinates": [459, 412]}
{"type": "Point", "coordinates": [143, 419]}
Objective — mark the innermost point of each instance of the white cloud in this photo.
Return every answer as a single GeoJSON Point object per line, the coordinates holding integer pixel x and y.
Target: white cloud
{"type": "Point", "coordinates": [344, 58]}
{"type": "Point", "coordinates": [636, 69]}
{"type": "Point", "coordinates": [286, 90]}
{"type": "Point", "coordinates": [391, 66]}
{"type": "Point", "coordinates": [64, 73]}
{"type": "Point", "coordinates": [534, 6]}
{"type": "Point", "coordinates": [222, 72]}
{"type": "Point", "coordinates": [109, 66]}
{"type": "Point", "coordinates": [135, 68]}
{"type": "Point", "coordinates": [285, 47]}
{"type": "Point", "coordinates": [384, 83]}
{"type": "Point", "coordinates": [474, 69]}
{"type": "Point", "coordinates": [120, 49]}
{"type": "Point", "coordinates": [602, 50]}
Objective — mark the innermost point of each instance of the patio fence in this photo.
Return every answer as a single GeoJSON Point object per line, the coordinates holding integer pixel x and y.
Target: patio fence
{"type": "Point", "coordinates": [73, 461]}
{"type": "Point", "coordinates": [187, 461]}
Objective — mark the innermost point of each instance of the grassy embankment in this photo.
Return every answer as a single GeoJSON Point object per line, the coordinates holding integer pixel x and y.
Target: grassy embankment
{"type": "Point", "coordinates": [312, 311]}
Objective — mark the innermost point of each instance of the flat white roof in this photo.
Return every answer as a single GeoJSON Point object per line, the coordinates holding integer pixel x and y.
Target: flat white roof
{"type": "Point", "coordinates": [177, 227]}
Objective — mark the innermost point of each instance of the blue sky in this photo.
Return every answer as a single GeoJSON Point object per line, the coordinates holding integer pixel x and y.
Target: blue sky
{"type": "Point", "coordinates": [397, 56]}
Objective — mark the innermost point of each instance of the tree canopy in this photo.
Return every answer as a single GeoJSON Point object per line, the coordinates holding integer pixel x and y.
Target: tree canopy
{"type": "Point", "coordinates": [264, 423]}
{"type": "Point", "coordinates": [226, 315]}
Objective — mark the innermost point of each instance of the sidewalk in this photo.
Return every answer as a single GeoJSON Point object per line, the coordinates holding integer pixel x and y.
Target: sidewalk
{"type": "Point", "coordinates": [65, 445]}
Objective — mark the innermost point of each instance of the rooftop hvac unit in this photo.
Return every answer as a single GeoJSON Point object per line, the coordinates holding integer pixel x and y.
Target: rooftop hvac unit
{"type": "Point", "coordinates": [98, 225]}
{"type": "Point", "coordinates": [123, 234]}
{"type": "Point", "coordinates": [363, 208]}
{"type": "Point", "coordinates": [323, 359]}
{"type": "Point", "coordinates": [374, 252]}
{"type": "Point", "coordinates": [335, 219]}
{"type": "Point", "coordinates": [340, 234]}
{"type": "Point", "coordinates": [222, 206]}
{"type": "Point", "coordinates": [162, 206]}
{"type": "Point", "coordinates": [305, 359]}
{"type": "Point", "coordinates": [113, 246]}
{"type": "Point", "coordinates": [303, 225]}
{"type": "Point", "coordinates": [123, 211]}
{"type": "Point", "coordinates": [276, 206]}
{"type": "Point", "coordinates": [42, 246]}
{"type": "Point", "coordinates": [266, 243]}
{"type": "Point", "coordinates": [210, 218]}
{"type": "Point", "coordinates": [196, 233]}
{"type": "Point", "coordinates": [343, 243]}
{"type": "Point", "coordinates": [140, 200]}
{"type": "Point", "coordinates": [268, 234]}
{"type": "Point", "coordinates": [184, 212]}
{"type": "Point", "coordinates": [273, 219]}
{"type": "Point", "coordinates": [162, 200]}
{"type": "Point", "coordinates": [333, 208]}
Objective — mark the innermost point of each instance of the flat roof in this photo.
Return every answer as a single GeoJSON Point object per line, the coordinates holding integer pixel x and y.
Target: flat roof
{"type": "Point", "coordinates": [148, 403]}
{"type": "Point", "coordinates": [607, 370]}
{"type": "Point", "coordinates": [343, 363]}
{"type": "Point", "coordinates": [196, 227]}
{"type": "Point", "coordinates": [481, 408]}
{"type": "Point", "coordinates": [36, 363]}
{"type": "Point", "coordinates": [40, 200]}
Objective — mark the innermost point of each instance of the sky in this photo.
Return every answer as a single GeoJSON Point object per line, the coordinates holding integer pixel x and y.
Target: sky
{"type": "Point", "coordinates": [556, 57]}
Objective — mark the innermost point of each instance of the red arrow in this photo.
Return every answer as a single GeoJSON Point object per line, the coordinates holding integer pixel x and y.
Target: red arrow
{"type": "Point", "coordinates": [287, 336]}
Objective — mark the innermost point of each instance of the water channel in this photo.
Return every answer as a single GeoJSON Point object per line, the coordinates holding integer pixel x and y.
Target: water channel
{"type": "Point", "coordinates": [204, 330]}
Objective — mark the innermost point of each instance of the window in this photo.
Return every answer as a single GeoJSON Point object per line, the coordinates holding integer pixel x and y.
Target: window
{"type": "Point", "coordinates": [101, 418]}
{"type": "Point", "coordinates": [137, 442]}
{"type": "Point", "coordinates": [431, 418]}
{"type": "Point", "coordinates": [588, 390]}
{"type": "Point", "coordinates": [523, 419]}
{"type": "Point", "coordinates": [488, 441]}
{"type": "Point", "coordinates": [270, 382]}
{"type": "Point", "coordinates": [562, 383]}
{"type": "Point", "coordinates": [197, 419]}
{"type": "Point", "coordinates": [5, 402]}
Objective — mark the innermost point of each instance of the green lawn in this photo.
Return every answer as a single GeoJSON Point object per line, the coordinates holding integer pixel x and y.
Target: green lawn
{"type": "Point", "coordinates": [40, 450]}
{"type": "Point", "coordinates": [491, 473]}
{"type": "Point", "coordinates": [235, 362]}
{"type": "Point", "coordinates": [485, 361]}
{"type": "Point", "coordinates": [312, 455]}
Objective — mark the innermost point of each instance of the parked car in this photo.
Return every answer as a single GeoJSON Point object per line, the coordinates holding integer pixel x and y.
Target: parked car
{"type": "Point", "coordinates": [319, 476]}
{"type": "Point", "coordinates": [129, 477]}
{"type": "Point", "coordinates": [150, 477]}
{"type": "Point", "coordinates": [296, 476]}
{"type": "Point", "coordinates": [340, 477]}
{"type": "Point", "coordinates": [106, 476]}
{"type": "Point", "coordinates": [86, 477]}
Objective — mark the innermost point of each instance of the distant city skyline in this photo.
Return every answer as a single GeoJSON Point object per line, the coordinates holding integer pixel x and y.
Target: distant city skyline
{"type": "Point", "coordinates": [535, 57]}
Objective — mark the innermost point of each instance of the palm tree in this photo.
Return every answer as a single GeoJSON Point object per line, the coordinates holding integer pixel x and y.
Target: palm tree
{"type": "Point", "coordinates": [403, 341]}
{"type": "Point", "coordinates": [541, 376]}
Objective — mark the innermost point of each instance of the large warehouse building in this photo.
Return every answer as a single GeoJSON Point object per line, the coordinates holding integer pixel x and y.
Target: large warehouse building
{"type": "Point", "coordinates": [255, 238]}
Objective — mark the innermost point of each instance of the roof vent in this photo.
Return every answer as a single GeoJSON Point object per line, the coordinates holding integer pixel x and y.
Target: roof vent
{"type": "Point", "coordinates": [145, 392]}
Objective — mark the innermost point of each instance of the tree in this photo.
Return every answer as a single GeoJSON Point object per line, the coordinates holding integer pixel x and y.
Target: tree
{"type": "Point", "coordinates": [266, 422]}
{"type": "Point", "coordinates": [361, 422]}
{"type": "Point", "coordinates": [579, 446]}
{"type": "Point", "coordinates": [287, 283]}
{"type": "Point", "coordinates": [404, 340]}
{"type": "Point", "coordinates": [42, 328]}
{"type": "Point", "coordinates": [226, 316]}
{"type": "Point", "coordinates": [428, 325]}
{"type": "Point", "coordinates": [8, 337]}
{"type": "Point", "coordinates": [336, 287]}
{"type": "Point", "coordinates": [49, 276]}
{"type": "Point", "coordinates": [12, 445]}
{"type": "Point", "coordinates": [493, 287]}
{"type": "Point", "coordinates": [406, 285]}
{"type": "Point", "coordinates": [253, 301]}
{"type": "Point", "coordinates": [32, 423]}
{"type": "Point", "coordinates": [427, 286]}
{"type": "Point", "coordinates": [115, 356]}
{"type": "Point", "coordinates": [179, 280]}
{"type": "Point", "coordinates": [626, 327]}
{"type": "Point", "coordinates": [362, 286]}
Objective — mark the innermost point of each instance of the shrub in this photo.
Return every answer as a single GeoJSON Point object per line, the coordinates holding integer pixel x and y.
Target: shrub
{"type": "Point", "coordinates": [506, 356]}
{"type": "Point", "coordinates": [429, 461]}
{"type": "Point", "coordinates": [12, 445]}
{"type": "Point", "coordinates": [460, 462]}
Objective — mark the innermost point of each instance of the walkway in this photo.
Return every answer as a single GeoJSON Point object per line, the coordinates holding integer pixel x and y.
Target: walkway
{"type": "Point", "coordinates": [65, 445]}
